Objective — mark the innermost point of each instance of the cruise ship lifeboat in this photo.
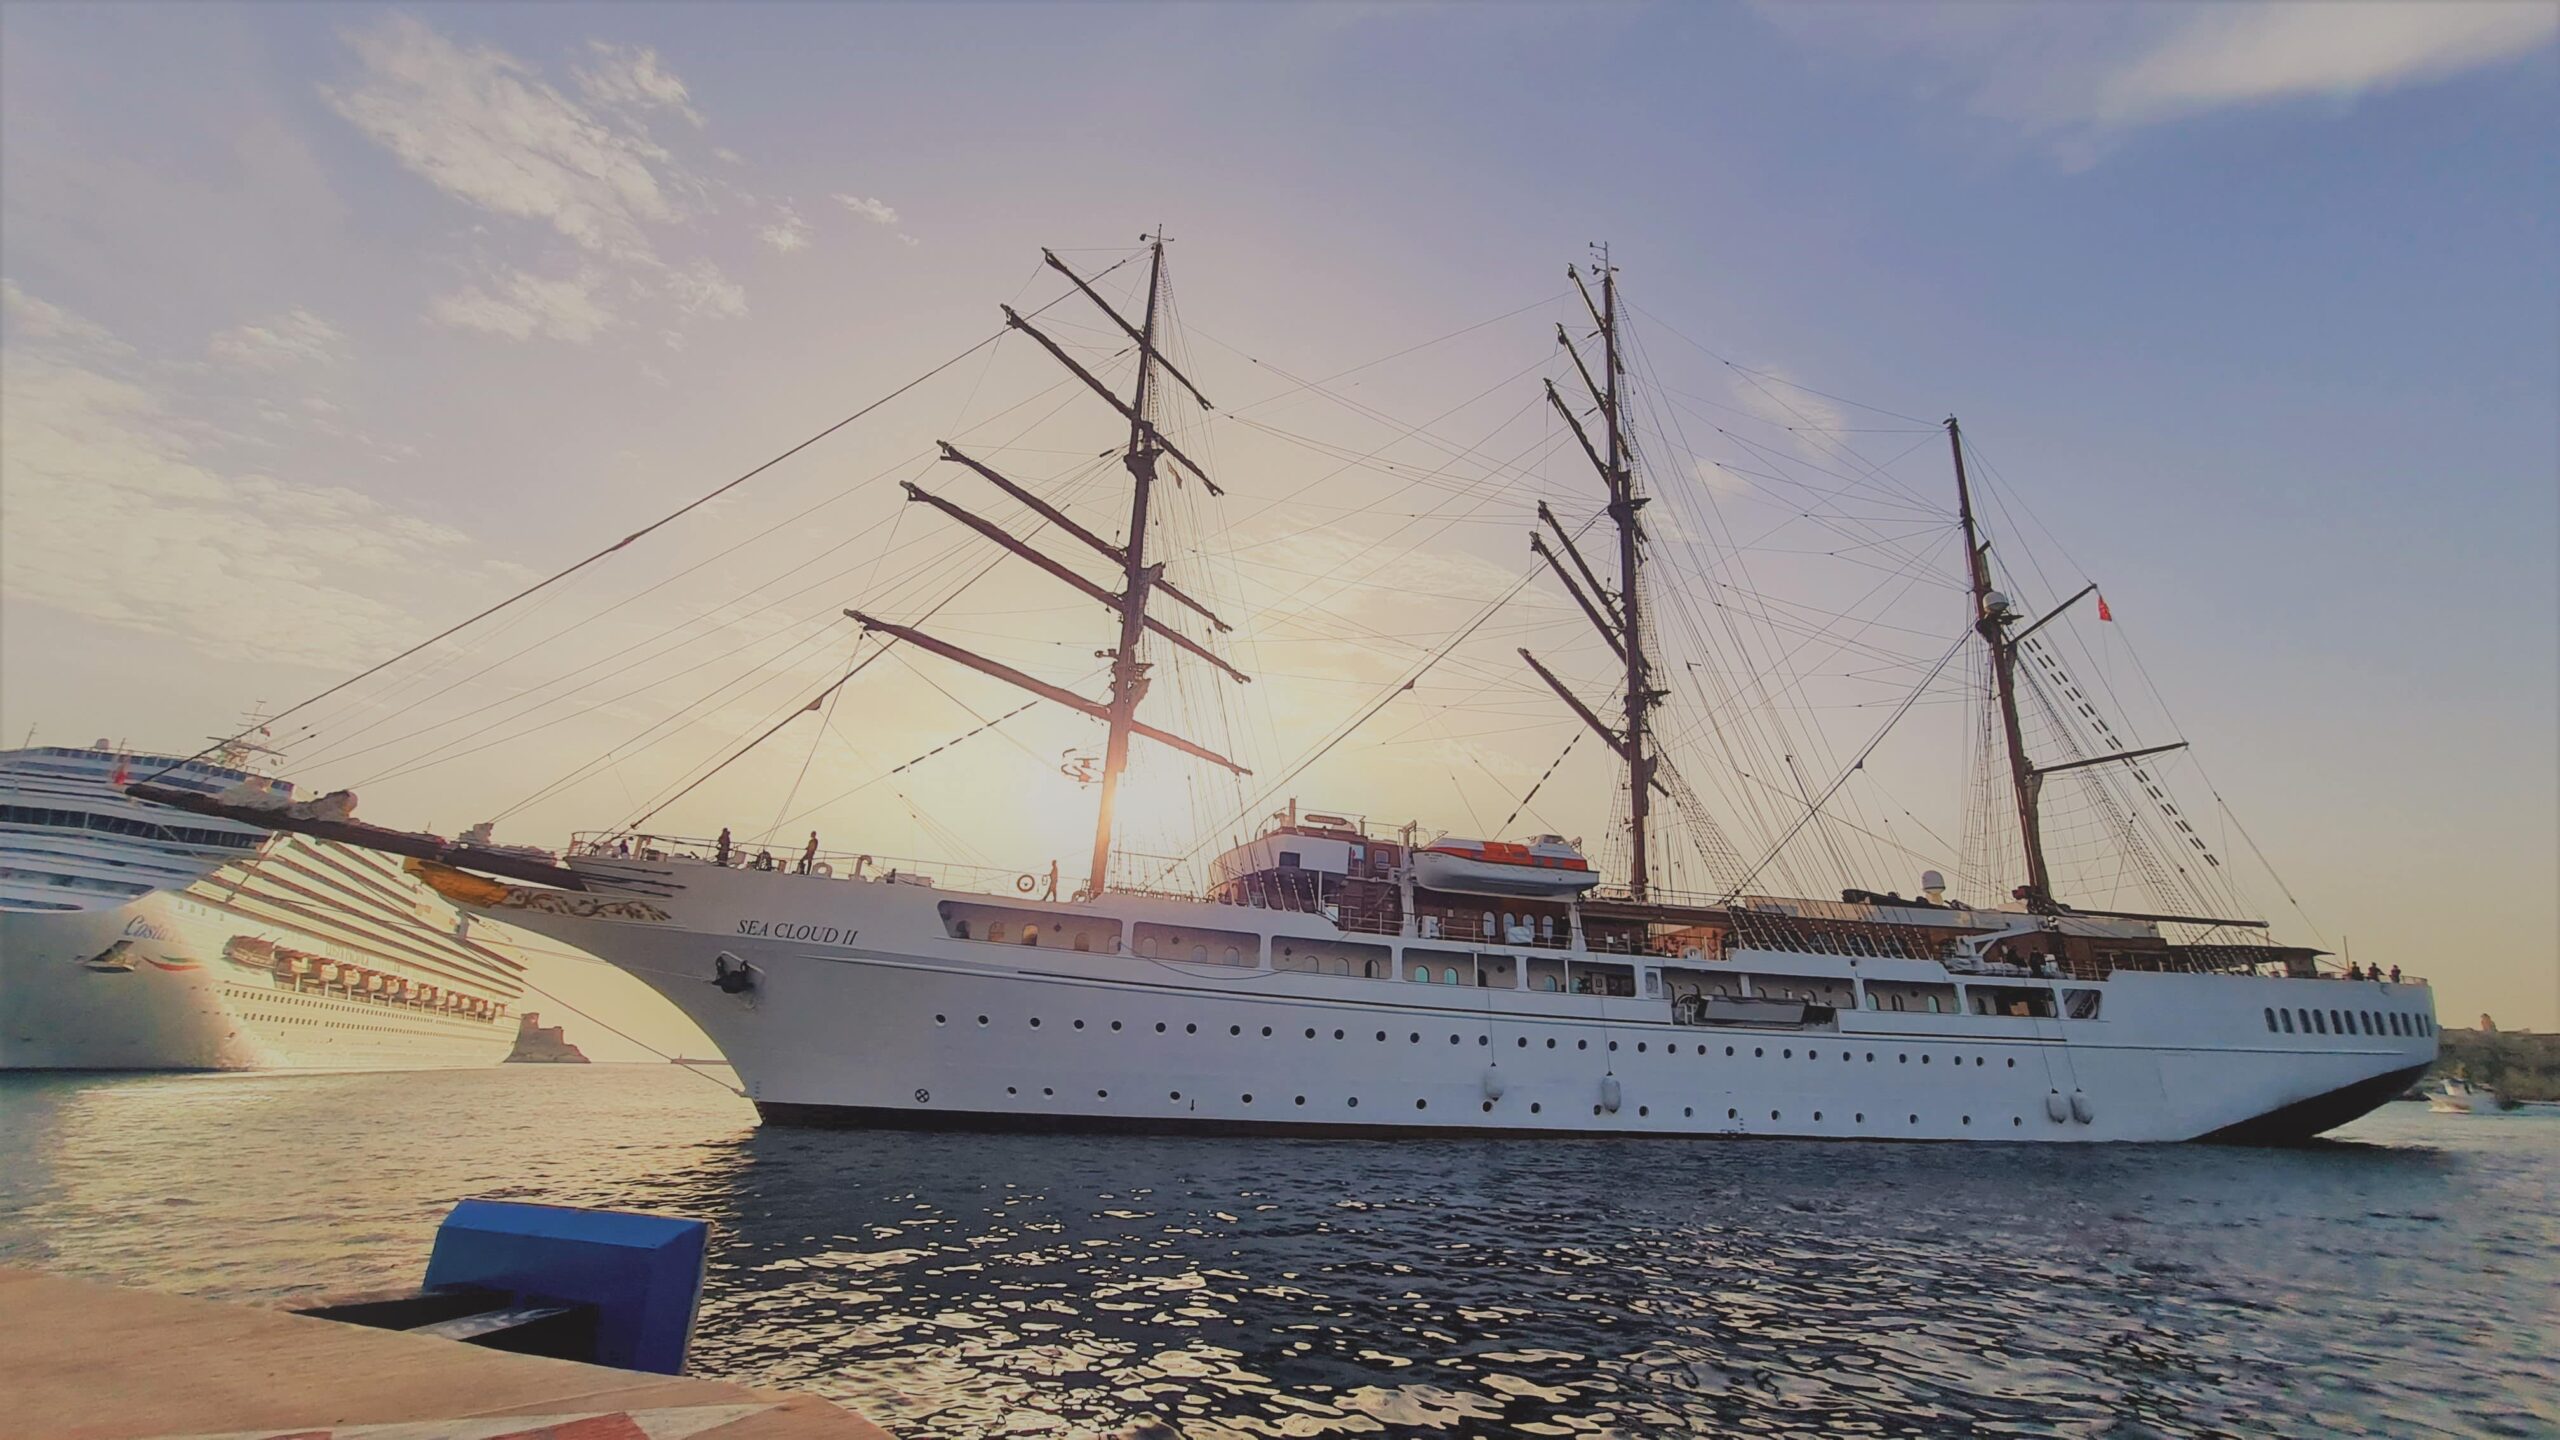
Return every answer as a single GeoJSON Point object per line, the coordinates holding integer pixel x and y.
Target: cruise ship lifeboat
{"type": "Point", "coordinates": [1547, 868]}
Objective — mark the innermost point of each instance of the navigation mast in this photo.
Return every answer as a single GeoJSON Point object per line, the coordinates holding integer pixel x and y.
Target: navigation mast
{"type": "Point", "coordinates": [1992, 616]}
{"type": "Point", "coordinates": [1148, 447]}
{"type": "Point", "coordinates": [1620, 617]}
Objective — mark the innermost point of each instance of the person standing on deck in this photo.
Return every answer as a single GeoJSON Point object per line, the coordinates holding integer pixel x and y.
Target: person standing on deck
{"type": "Point", "coordinates": [809, 856]}
{"type": "Point", "coordinates": [722, 859]}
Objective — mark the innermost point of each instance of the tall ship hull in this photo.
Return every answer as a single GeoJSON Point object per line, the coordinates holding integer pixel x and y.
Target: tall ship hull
{"type": "Point", "coordinates": [129, 941]}
{"type": "Point", "coordinates": [862, 1002]}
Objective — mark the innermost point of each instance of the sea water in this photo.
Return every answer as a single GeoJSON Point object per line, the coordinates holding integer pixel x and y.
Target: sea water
{"type": "Point", "coordinates": [2400, 1281]}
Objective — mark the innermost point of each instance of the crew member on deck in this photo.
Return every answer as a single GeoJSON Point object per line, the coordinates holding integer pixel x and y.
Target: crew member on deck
{"type": "Point", "coordinates": [809, 856]}
{"type": "Point", "coordinates": [722, 854]}
{"type": "Point", "coordinates": [2395, 974]}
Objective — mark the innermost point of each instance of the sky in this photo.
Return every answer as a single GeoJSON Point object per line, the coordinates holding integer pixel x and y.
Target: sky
{"type": "Point", "coordinates": [327, 327]}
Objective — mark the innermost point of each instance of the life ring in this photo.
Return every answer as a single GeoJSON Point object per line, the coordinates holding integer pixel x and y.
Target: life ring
{"type": "Point", "coordinates": [1026, 883]}
{"type": "Point", "coordinates": [822, 868]}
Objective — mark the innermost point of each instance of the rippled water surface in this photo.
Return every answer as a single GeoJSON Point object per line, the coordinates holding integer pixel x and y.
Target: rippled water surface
{"type": "Point", "coordinates": [2402, 1283]}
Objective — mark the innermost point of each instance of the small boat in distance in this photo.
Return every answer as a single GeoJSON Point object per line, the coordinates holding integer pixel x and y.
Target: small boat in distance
{"type": "Point", "coordinates": [2457, 1096]}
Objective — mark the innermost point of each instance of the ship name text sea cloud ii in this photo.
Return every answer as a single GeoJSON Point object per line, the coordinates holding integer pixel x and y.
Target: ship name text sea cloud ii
{"type": "Point", "coordinates": [1321, 972]}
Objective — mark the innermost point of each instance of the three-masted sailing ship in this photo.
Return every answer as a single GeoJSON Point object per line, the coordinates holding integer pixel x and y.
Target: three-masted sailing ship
{"type": "Point", "coordinates": [1344, 978]}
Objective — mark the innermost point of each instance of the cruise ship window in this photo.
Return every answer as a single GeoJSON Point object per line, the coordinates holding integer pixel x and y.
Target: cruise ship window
{"type": "Point", "coordinates": [1449, 976]}
{"type": "Point", "coordinates": [995, 932]}
{"type": "Point", "coordinates": [2287, 1017]}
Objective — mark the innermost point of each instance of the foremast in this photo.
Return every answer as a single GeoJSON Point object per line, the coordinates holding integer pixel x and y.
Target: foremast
{"type": "Point", "coordinates": [1619, 618]}
{"type": "Point", "coordinates": [1148, 448]}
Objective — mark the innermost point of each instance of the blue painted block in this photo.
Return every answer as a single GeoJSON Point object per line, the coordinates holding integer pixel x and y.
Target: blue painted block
{"type": "Point", "coordinates": [643, 1273]}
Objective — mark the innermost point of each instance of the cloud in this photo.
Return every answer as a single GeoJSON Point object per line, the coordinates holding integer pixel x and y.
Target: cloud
{"type": "Point", "coordinates": [296, 337]}
{"type": "Point", "coordinates": [482, 126]}
{"type": "Point", "coordinates": [788, 232]}
{"type": "Point", "coordinates": [526, 305]}
{"type": "Point", "coordinates": [2081, 77]}
{"type": "Point", "coordinates": [878, 212]}
{"type": "Point", "coordinates": [103, 473]}
{"type": "Point", "coordinates": [630, 77]}
{"type": "Point", "coordinates": [37, 320]}
{"type": "Point", "coordinates": [702, 290]}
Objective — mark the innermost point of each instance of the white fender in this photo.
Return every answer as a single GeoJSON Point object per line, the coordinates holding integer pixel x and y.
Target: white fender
{"type": "Point", "coordinates": [1609, 1094]}
{"type": "Point", "coordinates": [2055, 1107]}
{"type": "Point", "coordinates": [1492, 1083]}
{"type": "Point", "coordinates": [2080, 1110]}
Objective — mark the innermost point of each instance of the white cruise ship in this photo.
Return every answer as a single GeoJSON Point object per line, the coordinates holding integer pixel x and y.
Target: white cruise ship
{"type": "Point", "coordinates": [1330, 977]}
{"type": "Point", "coordinates": [135, 937]}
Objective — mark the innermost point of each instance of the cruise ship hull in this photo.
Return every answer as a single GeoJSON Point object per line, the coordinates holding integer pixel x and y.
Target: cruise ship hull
{"type": "Point", "coordinates": [170, 999]}
{"type": "Point", "coordinates": [860, 1006]}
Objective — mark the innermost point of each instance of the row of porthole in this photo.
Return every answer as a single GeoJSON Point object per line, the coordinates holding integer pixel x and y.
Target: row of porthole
{"type": "Point", "coordinates": [1415, 1038]}
{"type": "Point", "coordinates": [1687, 1112]}
{"type": "Point", "coordinates": [2348, 1022]}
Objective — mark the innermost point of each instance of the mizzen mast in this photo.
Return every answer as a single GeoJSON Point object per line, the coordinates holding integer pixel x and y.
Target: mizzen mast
{"type": "Point", "coordinates": [1147, 448]}
{"type": "Point", "coordinates": [1620, 617]}
{"type": "Point", "coordinates": [1992, 615]}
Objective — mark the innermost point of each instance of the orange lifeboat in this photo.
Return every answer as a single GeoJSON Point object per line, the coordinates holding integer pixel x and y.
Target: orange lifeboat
{"type": "Point", "coordinates": [1547, 868]}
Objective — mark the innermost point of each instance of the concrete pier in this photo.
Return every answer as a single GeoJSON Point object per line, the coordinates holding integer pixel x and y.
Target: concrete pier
{"type": "Point", "coordinates": [83, 1361]}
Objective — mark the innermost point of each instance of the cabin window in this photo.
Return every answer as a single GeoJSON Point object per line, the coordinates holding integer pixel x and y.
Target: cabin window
{"type": "Point", "coordinates": [1449, 976]}
{"type": "Point", "coordinates": [1897, 1002]}
{"type": "Point", "coordinates": [960, 929]}
{"type": "Point", "coordinates": [2305, 1017]}
{"type": "Point", "coordinates": [1199, 954]}
{"type": "Point", "coordinates": [1368, 969]}
{"type": "Point", "coordinates": [2271, 1020]}
{"type": "Point", "coordinates": [1421, 975]}
{"type": "Point", "coordinates": [1489, 931]}
{"type": "Point", "coordinates": [1234, 956]}
{"type": "Point", "coordinates": [1547, 982]}
{"type": "Point", "coordinates": [995, 932]}
{"type": "Point", "coordinates": [1083, 941]}
{"type": "Point", "coordinates": [1030, 934]}
{"type": "Point", "coordinates": [2287, 1017]}
{"type": "Point", "coordinates": [2319, 1022]}
{"type": "Point", "coordinates": [1288, 859]}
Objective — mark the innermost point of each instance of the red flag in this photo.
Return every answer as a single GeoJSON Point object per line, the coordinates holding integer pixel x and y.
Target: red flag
{"type": "Point", "coordinates": [2103, 612]}
{"type": "Point", "coordinates": [121, 772]}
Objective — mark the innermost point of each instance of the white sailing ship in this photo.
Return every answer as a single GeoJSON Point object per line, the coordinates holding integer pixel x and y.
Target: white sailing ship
{"type": "Point", "coordinates": [134, 937]}
{"type": "Point", "coordinates": [1339, 978]}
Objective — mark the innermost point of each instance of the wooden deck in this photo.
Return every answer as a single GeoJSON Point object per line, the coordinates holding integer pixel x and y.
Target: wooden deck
{"type": "Point", "coordinates": [83, 1361]}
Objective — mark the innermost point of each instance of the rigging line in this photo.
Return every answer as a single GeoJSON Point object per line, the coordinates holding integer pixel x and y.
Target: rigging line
{"type": "Point", "coordinates": [1363, 717]}
{"type": "Point", "coordinates": [1719, 359]}
{"type": "Point", "coordinates": [850, 671]}
{"type": "Point", "coordinates": [1570, 741]}
{"type": "Point", "coordinates": [661, 522]}
{"type": "Point", "coordinates": [1304, 385]}
{"type": "Point", "coordinates": [901, 769]}
{"type": "Point", "coordinates": [826, 724]}
{"type": "Point", "coordinates": [1815, 807]}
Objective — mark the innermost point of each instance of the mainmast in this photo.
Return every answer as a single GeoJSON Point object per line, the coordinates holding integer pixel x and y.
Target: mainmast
{"type": "Point", "coordinates": [1148, 447]}
{"type": "Point", "coordinates": [1128, 672]}
{"type": "Point", "coordinates": [1992, 616]}
{"type": "Point", "coordinates": [1620, 617]}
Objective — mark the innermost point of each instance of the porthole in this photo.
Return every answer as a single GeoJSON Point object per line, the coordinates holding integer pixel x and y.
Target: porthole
{"type": "Point", "coordinates": [1728, 1050]}
{"type": "Point", "coordinates": [1813, 1054]}
{"type": "Point", "coordinates": [1687, 1112]}
{"type": "Point", "coordinates": [1101, 1094]}
{"type": "Point", "coordinates": [1817, 1117]}
{"type": "Point", "coordinates": [1643, 1110]}
{"type": "Point", "coordinates": [1159, 1027]}
{"type": "Point", "coordinates": [1079, 1024]}
{"type": "Point", "coordinates": [1302, 1100]}
{"type": "Point", "coordinates": [1046, 1090]}
{"type": "Point", "coordinates": [1788, 1054]}
{"type": "Point", "coordinates": [1421, 1104]}
{"type": "Point", "coordinates": [1311, 1034]}
{"type": "Point", "coordinates": [1266, 1032]}
{"type": "Point", "coordinates": [1757, 1052]}
{"type": "Point", "coordinates": [1902, 1059]}
{"type": "Point", "coordinates": [982, 1019]}
{"type": "Point", "coordinates": [2013, 1062]}
{"type": "Point", "coordinates": [1483, 1040]}
{"type": "Point", "coordinates": [1581, 1044]}
{"type": "Point", "coordinates": [1915, 1119]}
{"type": "Point", "coordinates": [1453, 1039]}
{"type": "Point", "coordinates": [1773, 1114]}
{"type": "Point", "coordinates": [1924, 1059]}
{"type": "Point", "coordinates": [1613, 1045]}
{"type": "Point", "coordinates": [1535, 1107]}
{"type": "Point", "coordinates": [1860, 1117]}
{"type": "Point", "coordinates": [1488, 1107]}
{"type": "Point", "coordinates": [1248, 1099]}
{"type": "Point", "coordinates": [1190, 1029]}
{"type": "Point", "coordinates": [1702, 1049]}
{"type": "Point", "coordinates": [1414, 1039]}
{"type": "Point", "coordinates": [1524, 1042]}
{"type": "Point", "coordinates": [1354, 1103]}
{"type": "Point", "coordinates": [1115, 1024]}
{"type": "Point", "coordinates": [1337, 1034]}
{"type": "Point", "coordinates": [1977, 1062]}
{"type": "Point", "coordinates": [1968, 1119]}
{"type": "Point", "coordinates": [1871, 1057]}
{"type": "Point", "coordinates": [1235, 1029]}
{"type": "Point", "coordinates": [1174, 1095]}
{"type": "Point", "coordinates": [941, 1019]}
{"type": "Point", "coordinates": [1639, 1047]}
{"type": "Point", "coordinates": [2014, 1120]}
{"type": "Point", "coordinates": [1382, 1037]}
{"type": "Point", "coordinates": [1009, 1090]}
{"type": "Point", "coordinates": [1733, 1114]}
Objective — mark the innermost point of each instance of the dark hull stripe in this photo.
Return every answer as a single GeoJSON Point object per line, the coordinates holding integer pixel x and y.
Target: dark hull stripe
{"type": "Point", "coordinates": [2305, 1120]}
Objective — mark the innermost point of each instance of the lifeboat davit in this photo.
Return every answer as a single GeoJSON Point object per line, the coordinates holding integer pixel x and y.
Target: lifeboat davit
{"type": "Point", "coordinates": [1547, 868]}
